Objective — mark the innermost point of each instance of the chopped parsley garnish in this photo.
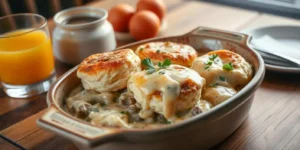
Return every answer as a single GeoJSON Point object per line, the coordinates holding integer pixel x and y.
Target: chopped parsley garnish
{"type": "Point", "coordinates": [213, 57]}
{"type": "Point", "coordinates": [222, 78]}
{"type": "Point", "coordinates": [93, 109]}
{"type": "Point", "coordinates": [150, 66]}
{"type": "Point", "coordinates": [165, 121]}
{"type": "Point", "coordinates": [165, 64]}
{"type": "Point", "coordinates": [207, 65]}
{"type": "Point", "coordinates": [161, 72]}
{"type": "Point", "coordinates": [123, 112]}
{"type": "Point", "coordinates": [141, 49]}
{"type": "Point", "coordinates": [157, 51]}
{"type": "Point", "coordinates": [228, 67]}
{"type": "Point", "coordinates": [213, 84]}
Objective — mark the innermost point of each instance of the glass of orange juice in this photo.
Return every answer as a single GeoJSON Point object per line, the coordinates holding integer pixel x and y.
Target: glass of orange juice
{"type": "Point", "coordinates": [26, 59]}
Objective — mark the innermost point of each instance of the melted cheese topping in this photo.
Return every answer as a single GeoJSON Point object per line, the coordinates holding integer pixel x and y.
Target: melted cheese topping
{"type": "Point", "coordinates": [166, 91]}
{"type": "Point", "coordinates": [204, 105]}
{"type": "Point", "coordinates": [112, 118]}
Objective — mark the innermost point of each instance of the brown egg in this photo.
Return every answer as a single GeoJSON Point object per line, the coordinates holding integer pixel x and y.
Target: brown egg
{"type": "Point", "coordinates": [119, 16]}
{"type": "Point", "coordinates": [156, 6]}
{"type": "Point", "coordinates": [144, 24]}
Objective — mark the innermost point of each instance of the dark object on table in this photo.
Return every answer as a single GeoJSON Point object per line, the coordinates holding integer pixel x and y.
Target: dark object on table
{"type": "Point", "coordinates": [6, 143]}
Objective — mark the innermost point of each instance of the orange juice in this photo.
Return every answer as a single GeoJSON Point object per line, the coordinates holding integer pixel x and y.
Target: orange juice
{"type": "Point", "coordinates": [25, 58]}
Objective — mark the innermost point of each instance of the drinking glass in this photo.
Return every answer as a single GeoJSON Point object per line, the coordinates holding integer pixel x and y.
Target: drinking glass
{"type": "Point", "coordinates": [26, 59]}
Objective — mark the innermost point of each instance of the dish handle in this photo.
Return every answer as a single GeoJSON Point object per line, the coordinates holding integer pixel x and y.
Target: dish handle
{"type": "Point", "coordinates": [221, 34]}
{"type": "Point", "coordinates": [79, 131]}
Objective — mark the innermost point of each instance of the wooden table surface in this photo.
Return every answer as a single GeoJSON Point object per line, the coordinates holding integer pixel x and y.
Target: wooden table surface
{"type": "Point", "coordinates": [274, 119]}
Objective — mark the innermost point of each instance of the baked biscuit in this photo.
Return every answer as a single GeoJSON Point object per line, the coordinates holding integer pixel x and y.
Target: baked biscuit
{"type": "Point", "coordinates": [180, 54]}
{"type": "Point", "coordinates": [218, 94]}
{"type": "Point", "coordinates": [166, 91]}
{"type": "Point", "coordinates": [223, 67]}
{"type": "Point", "coordinates": [109, 71]}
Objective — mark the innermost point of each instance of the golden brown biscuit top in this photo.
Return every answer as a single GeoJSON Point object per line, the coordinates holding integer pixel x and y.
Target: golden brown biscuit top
{"type": "Point", "coordinates": [105, 61]}
{"type": "Point", "coordinates": [228, 56]}
{"type": "Point", "coordinates": [158, 51]}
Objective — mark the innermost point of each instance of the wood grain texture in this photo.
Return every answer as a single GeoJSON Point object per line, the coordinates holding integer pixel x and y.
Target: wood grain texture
{"type": "Point", "coordinates": [7, 145]}
{"type": "Point", "coordinates": [30, 136]}
{"type": "Point", "coordinates": [14, 110]}
{"type": "Point", "coordinates": [23, 128]}
{"type": "Point", "coordinates": [208, 15]}
{"type": "Point", "coordinates": [35, 138]}
{"type": "Point", "coordinates": [274, 119]}
{"type": "Point", "coordinates": [8, 104]}
{"type": "Point", "coordinates": [56, 143]}
{"type": "Point", "coordinates": [33, 106]}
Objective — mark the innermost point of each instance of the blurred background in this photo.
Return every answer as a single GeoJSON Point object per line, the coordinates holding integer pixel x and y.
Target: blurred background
{"type": "Point", "coordinates": [287, 8]}
{"type": "Point", "coordinates": [47, 8]}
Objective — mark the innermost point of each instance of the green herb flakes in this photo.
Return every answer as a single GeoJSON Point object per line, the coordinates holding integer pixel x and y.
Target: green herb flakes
{"type": "Point", "coordinates": [212, 57]}
{"type": "Point", "coordinates": [149, 65]}
{"type": "Point", "coordinates": [207, 65]}
{"type": "Point", "coordinates": [228, 67]}
{"type": "Point", "coordinates": [123, 112]}
{"type": "Point", "coordinates": [161, 72]}
{"type": "Point", "coordinates": [222, 78]}
{"type": "Point", "coordinates": [165, 64]}
{"type": "Point", "coordinates": [213, 84]}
